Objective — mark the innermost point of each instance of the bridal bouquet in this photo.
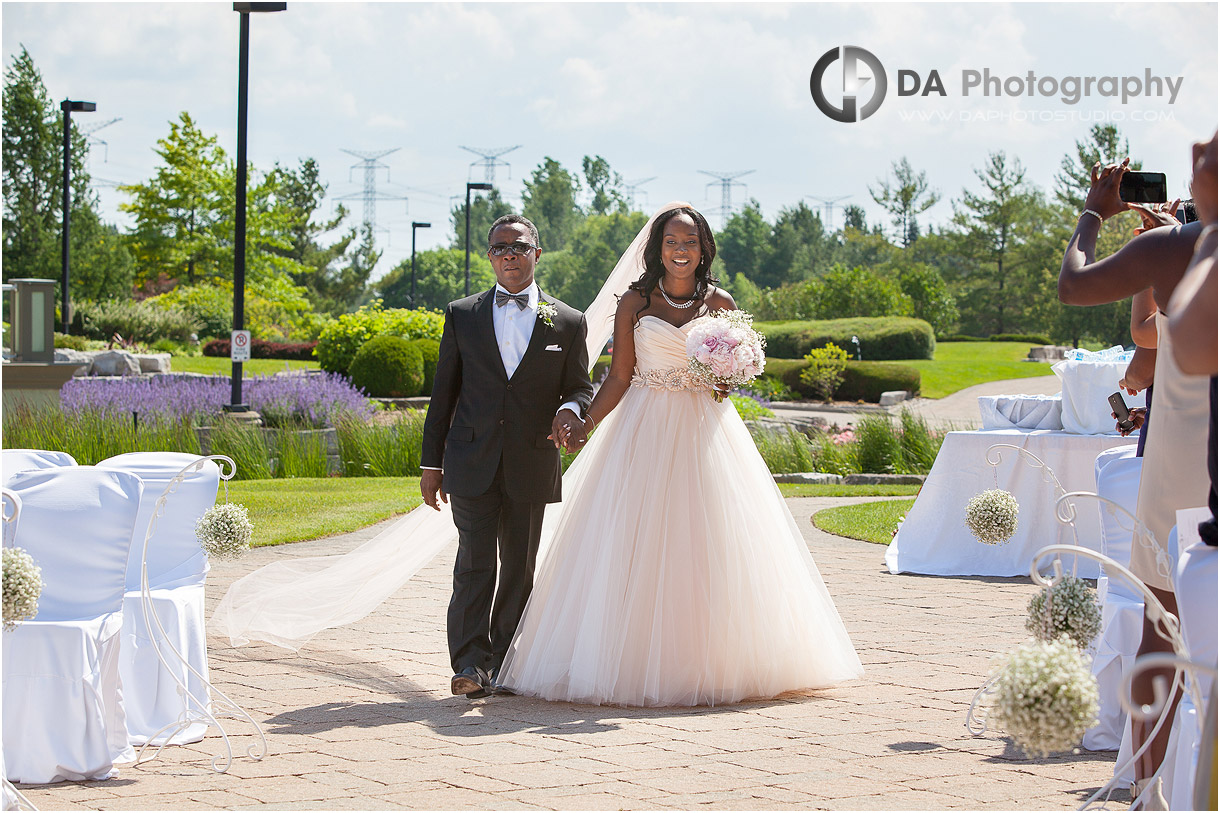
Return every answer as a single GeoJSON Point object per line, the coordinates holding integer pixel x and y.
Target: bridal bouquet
{"type": "Point", "coordinates": [723, 349]}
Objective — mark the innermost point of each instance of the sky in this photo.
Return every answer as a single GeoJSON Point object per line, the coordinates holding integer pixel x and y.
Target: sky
{"type": "Point", "coordinates": [661, 91]}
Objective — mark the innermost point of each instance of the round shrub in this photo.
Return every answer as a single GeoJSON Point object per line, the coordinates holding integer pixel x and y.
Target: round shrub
{"type": "Point", "coordinates": [339, 340]}
{"type": "Point", "coordinates": [882, 338]}
{"type": "Point", "coordinates": [1031, 338]}
{"type": "Point", "coordinates": [388, 367]}
{"type": "Point", "coordinates": [431, 351]}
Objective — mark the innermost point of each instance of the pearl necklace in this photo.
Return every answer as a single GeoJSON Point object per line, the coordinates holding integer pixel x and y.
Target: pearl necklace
{"type": "Point", "coordinates": [673, 304]}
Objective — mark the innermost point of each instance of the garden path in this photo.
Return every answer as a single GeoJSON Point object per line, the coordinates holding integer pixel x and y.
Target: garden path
{"type": "Point", "coordinates": [362, 719]}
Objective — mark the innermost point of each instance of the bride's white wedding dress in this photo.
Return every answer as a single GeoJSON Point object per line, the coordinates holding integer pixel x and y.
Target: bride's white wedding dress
{"type": "Point", "coordinates": [675, 574]}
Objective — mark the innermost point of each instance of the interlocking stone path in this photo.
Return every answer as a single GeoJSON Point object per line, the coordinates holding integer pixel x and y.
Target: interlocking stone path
{"type": "Point", "coordinates": [362, 718]}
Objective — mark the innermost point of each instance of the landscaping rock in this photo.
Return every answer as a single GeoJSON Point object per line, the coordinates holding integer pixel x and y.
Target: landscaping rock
{"type": "Point", "coordinates": [808, 477]}
{"type": "Point", "coordinates": [883, 480]}
{"type": "Point", "coordinates": [894, 397]}
{"type": "Point", "coordinates": [115, 362]}
{"type": "Point", "coordinates": [64, 355]}
{"type": "Point", "coordinates": [153, 362]}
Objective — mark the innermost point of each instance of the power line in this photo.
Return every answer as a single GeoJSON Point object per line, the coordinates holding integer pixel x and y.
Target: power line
{"type": "Point", "coordinates": [727, 181]}
{"type": "Point", "coordinates": [631, 186]}
{"type": "Point", "coordinates": [370, 162]}
{"type": "Point", "coordinates": [88, 132]}
{"type": "Point", "coordinates": [490, 160]}
{"type": "Point", "coordinates": [829, 203]}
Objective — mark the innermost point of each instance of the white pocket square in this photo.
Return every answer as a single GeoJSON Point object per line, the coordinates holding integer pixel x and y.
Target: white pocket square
{"type": "Point", "coordinates": [553, 347]}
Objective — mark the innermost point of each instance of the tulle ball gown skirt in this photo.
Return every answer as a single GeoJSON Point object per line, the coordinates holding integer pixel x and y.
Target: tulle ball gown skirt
{"type": "Point", "coordinates": [675, 574]}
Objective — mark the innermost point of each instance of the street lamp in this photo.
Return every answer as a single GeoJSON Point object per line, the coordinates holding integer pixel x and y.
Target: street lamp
{"type": "Point", "coordinates": [415, 226]}
{"type": "Point", "coordinates": [239, 243]}
{"type": "Point", "coordinates": [470, 186]}
{"type": "Point", "coordinates": [68, 107]}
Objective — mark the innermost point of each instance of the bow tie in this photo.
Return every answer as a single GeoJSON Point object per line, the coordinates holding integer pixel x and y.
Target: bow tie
{"type": "Point", "coordinates": [503, 298]}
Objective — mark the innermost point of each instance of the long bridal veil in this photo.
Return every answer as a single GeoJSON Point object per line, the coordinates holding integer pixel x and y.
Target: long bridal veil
{"type": "Point", "coordinates": [287, 603]}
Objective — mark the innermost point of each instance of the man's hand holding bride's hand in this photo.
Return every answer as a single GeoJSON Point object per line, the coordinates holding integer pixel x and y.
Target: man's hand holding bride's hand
{"type": "Point", "coordinates": [430, 486]}
{"type": "Point", "coordinates": [568, 431]}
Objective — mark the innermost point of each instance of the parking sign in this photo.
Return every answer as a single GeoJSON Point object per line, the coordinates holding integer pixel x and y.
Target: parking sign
{"type": "Point", "coordinates": [239, 346]}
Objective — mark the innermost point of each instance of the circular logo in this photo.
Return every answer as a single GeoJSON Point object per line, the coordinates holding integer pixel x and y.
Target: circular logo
{"type": "Point", "coordinates": [853, 83]}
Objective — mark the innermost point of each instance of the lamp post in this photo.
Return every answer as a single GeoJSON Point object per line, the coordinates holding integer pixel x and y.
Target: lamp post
{"type": "Point", "coordinates": [239, 241]}
{"type": "Point", "coordinates": [68, 106]}
{"type": "Point", "coordinates": [415, 226]}
{"type": "Point", "coordinates": [470, 186]}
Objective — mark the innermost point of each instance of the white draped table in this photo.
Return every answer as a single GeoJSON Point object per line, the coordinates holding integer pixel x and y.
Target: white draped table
{"type": "Point", "coordinates": [934, 539]}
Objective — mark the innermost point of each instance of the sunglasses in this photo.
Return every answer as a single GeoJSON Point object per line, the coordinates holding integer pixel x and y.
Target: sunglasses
{"type": "Point", "coordinates": [518, 248]}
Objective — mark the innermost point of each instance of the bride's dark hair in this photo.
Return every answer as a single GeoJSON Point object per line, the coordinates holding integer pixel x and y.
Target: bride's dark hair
{"type": "Point", "coordinates": [654, 271]}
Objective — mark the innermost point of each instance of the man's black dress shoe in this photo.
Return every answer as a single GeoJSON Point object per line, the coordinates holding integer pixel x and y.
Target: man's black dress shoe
{"type": "Point", "coordinates": [472, 682]}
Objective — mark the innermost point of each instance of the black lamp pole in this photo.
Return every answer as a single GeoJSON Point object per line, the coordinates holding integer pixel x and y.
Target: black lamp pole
{"type": "Point", "coordinates": [415, 226]}
{"type": "Point", "coordinates": [470, 186]}
{"type": "Point", "coordinates": [239, 243]}
{"type": "Point", "coordinates": [67, 106]}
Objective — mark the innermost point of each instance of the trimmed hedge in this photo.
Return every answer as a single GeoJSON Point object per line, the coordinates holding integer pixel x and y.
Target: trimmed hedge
{"type": "Point", "coordinates": [263, 349]}
{"type": "Point", "coordinates": [961, 337]}
{"type": "Point", "coordinates": [862, 380]}
{"type": "Point", "coordinates": [1031, 338]}
{"type": "Point", "coordinates": [388, 367]}
{"type": "Point", "coordinates": [882, 338]}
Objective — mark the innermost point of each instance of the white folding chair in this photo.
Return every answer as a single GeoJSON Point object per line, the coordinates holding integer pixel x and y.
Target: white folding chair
{"type": "Point", "coordinates": [1122, 607]}
{"type": "Point", "coordinates": [63, 704]}
{"type": "Point", "coordinates": [177, 568]}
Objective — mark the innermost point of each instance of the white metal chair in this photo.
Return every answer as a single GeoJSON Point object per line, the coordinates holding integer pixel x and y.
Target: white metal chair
{"type": "Point", "coordinates": [63, 704]}
{"type": "Point", "coordinates": [177, 568]}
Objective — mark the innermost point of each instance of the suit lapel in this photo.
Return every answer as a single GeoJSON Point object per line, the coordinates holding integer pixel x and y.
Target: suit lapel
{"type": "Point", "coordinates": [487, 329]}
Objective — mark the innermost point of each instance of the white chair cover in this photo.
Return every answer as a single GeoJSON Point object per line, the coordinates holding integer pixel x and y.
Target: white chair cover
{"type": "Point", "coordinates": [15, 460]}
{"type": "Point", "coordinates": [1122, 607]}
{"type": "Point", "coordinates": [177, 567]}
{"type": "Point", "coordinates": [1195, 588]}
{"type": "Point", "coordinates": [63, 702]}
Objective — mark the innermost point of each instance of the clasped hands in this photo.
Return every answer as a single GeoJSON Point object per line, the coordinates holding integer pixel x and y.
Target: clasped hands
{"type": "Point", "coordinates": [568, 431]}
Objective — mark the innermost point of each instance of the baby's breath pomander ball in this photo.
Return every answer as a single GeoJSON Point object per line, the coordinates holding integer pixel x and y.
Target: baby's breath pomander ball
{"type": "Point", "coordinates": [224, 531]}
{"type": "Point", "coordinates": [22, 587]}
{"type": "Point", "coordinates": [992, 516]}
{"type": "Point", "coordinates": [1046, 697]}
{"type": "Point", "coordinates": [1066, 608]}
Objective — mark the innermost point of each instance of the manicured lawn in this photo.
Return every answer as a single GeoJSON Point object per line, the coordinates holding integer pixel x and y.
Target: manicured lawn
{"type": "Point", "coordinates": [957, 365]}
{"type": "Point", "coordinates": [870, 521]}
{"type": "Point", "coordinates": [294, 510]}
{"type": "Point", "coordinates": [218, 365]}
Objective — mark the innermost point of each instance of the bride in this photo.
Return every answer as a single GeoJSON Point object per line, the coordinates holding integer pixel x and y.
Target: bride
{"type": "Point", "coordinates": [673, 573]}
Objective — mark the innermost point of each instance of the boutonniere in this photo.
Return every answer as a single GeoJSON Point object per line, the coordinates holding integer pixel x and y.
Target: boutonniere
{"type": "Point", "coordinates": [546, 312]}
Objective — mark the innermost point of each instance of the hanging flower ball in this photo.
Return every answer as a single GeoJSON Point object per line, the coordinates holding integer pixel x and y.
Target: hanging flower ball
{"type": "Point", "coordinates": [1066, 608]}
{"type": "Point", "coordinates": [1046, 697]}
{"type": "Point", "coordinates": [992, 516]}
{"type": "Point", "coordinates": [224, 531]}
{"type": "Point", "coordinates": [22, 587]}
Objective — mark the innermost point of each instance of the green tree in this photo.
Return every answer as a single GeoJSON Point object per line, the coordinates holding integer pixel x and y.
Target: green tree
{"type": "Point", "coordinates": [605, 186]}
{"type": "Point", "coordinates": [33, 179]}
{"type": "Point", "coordinates": [745, 246]}
{"type": "Point", "coordinates": [800, 246]}
{"type": "Point", "coordinates": [1003, 233]}
{"type": "Point", "coordinates": [440, 278]}
{"type": "Point", "coordinates": [577, 273]}
{"type": "Point", "coordinates": [853, 218]}
{"type": "Point", "coordinates": [929, 295]}
{"type": "Point", "coordinates": [845, 292]}
{"type": "Point", "coordinates": [1105, 144]}
{"type": "Point", "coordinates": [549, 200]}
{"type": "Point", "coordinates": [906, 196]}
{"type": "Point", "coordinates": [484, 210]}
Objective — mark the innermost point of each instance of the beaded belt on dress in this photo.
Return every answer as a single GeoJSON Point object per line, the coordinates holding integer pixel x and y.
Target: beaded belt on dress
{"type": "Point", "coordinates": [674, 379]}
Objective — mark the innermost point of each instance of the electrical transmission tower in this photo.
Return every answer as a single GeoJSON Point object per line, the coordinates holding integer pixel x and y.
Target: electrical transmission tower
{"type": "Point", "coordinates": [370, 161]}
{"type": "Point", "coordinates": [490, 161]}
{"type": "Point", "coordinates": [631, 186]}
{"type": "Point", "coordinates": [829, 203]}
{"type": "Point", "coordinates": [727, 181]}
{"type": "Point", "coordinates": [88, 133]}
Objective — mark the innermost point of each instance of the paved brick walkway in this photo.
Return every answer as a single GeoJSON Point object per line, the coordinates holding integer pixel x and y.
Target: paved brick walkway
{"type": "Point", "coordinates": [363, 719]}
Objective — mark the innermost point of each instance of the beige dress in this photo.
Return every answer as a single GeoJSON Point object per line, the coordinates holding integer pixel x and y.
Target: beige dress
{"type": "Point", "coordinates": [1174, 474]}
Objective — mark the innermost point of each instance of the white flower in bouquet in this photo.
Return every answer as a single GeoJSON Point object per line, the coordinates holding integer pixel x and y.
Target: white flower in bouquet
{"type": "Point", "coordinates": [1046, 696]}
{"type": "Point", "coordinates": [22, 587]}
{"type": "Point", "coordinates": [724, 349]}
{"type": "Point", "coordinates": [992, 516]}
{"type": "Point", "coordinates": [1065, 608]}
{"type": "Point", "coordinates": [224, 531]}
